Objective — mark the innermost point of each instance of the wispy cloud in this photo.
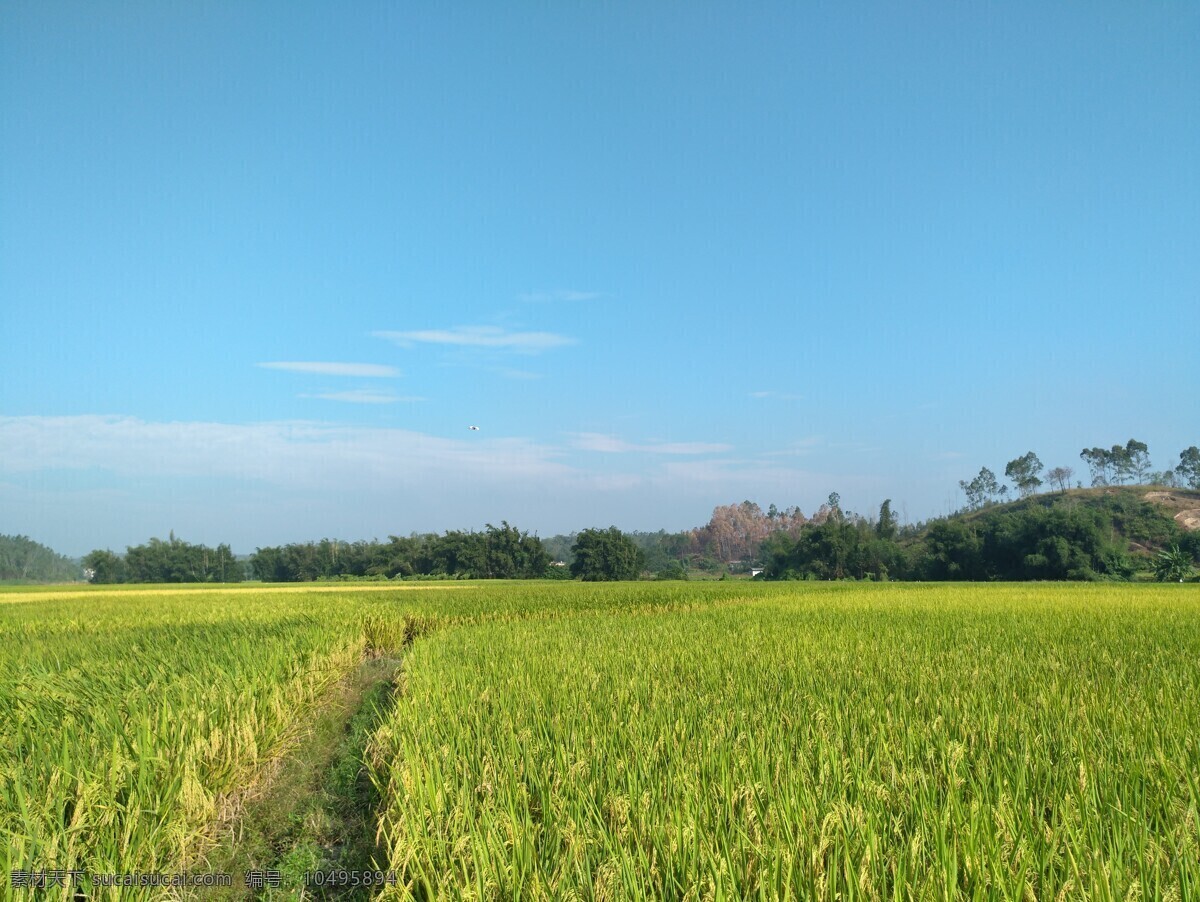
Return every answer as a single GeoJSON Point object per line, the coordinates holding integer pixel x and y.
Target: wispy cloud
{"type": "Point", "coordinates": [361, 370]}
{"type": "Point", "coordinates": [361, 396]}
{"type": "Point", "coordinates": [100, 480]}
{"type": "Point", "coordinates": [261, 483]}
{"type": "Point", "coordinates": [610, 444]}
{"type": "Point", "coordinates": [479, 337]}
{"type": "Point", "coordinates": [546, 297]}
{"type": "Point", "coordinates": [777, 395]}
{"type": "Point", "coordinates": [287, 452]}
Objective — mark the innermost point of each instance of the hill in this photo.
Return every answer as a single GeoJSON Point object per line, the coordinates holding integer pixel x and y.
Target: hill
{"type": "Point", "coordinates": [1147, 517]}
{"type": "Point", "coordinates": [1101, 532]}
{"type": "Point", "coordinates": [24, 560]}
{"type": "Point", "coordinates": [1111, 533]}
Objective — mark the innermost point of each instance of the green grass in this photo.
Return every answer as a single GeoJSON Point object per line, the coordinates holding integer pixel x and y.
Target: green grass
{"type": "Point", "coordinates": [315, 810]}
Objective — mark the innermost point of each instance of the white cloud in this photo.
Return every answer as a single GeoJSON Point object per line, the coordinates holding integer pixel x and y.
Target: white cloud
{"type": "Point", "coordinates": [543, 297]}
{"type": "Point", "coordinates": [479, 337]}
{"type": "Point", "coordinates": [289, 452]}
{"type": "Point", "coordinates": [361, 370]}
{"type": "Point", "coordinates": [80, 482]}
{"type": "Point", "coordinates": [610, 444]}
{"type": "Point", "coordinates": [777, 395]}
{"type": "Point", "coordinates": [361, 396]}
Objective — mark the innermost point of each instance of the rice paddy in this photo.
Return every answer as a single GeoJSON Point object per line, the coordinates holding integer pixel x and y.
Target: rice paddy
{"type": "Point", "coordinates": [630, 741]}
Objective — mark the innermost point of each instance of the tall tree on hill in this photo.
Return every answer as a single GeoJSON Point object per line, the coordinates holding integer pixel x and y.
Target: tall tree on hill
{"type": "Point", "coordinates": [1023, 472]}
{"type": "Point", "coordinates": [1060, 477]}
{"type": "Point", "coordinates": [1121, 463]}
{"type": "Point", "coordinates": [1125, 460]}
{"type": "Point", "coordinates": [1137, 457]}
{"type": "Point", "coordinates": [1098, 461]}
{"type": "Point", "coordinates": [1189, 467]}
{"type": "Point", "coordinates": [982, 490]}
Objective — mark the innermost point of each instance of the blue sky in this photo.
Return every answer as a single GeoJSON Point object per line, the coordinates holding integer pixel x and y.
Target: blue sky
{"type": "Point", "coordinates": [261, 265]}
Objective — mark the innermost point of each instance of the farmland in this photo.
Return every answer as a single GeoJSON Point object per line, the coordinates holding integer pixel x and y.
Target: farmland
{"type": "Point", "coordinates": [638, 740]}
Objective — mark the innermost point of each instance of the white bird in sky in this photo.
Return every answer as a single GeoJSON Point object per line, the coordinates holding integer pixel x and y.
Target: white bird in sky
{"type": "Point", "coordinates": [473, 428]}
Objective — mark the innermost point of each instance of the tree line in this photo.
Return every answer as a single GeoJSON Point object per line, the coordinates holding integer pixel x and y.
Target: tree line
{"type": "Point", "coordinates": [1034, 541]}
{"type": "Point", "coordinates": [498, 552]}
{"type": "Point", "coordinates": [165, 561]}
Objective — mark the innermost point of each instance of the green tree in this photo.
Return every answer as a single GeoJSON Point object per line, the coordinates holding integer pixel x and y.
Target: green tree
{"type": "Point", "coordinates": [1122, 464]}
{"type": "Point", "coordinates": [1189, 467]}
{"type": "Point", "coordinates": [269, 565]}
{"type": "Point", "coordinates": [456, 553]}
{"type": "Point", "coordinates": [1136, 458]}
{"type": "Point", "coordinates": [1099, 463]}
{"type": "Point", "coordinates": [952, 551]}
{"type": "Point", "coordinates": [834, 503]}
{"type": "Point", "coordinates": [1119, 463]}
{"type": "Point", "coordinates": [177, 561]}
{"type": "Point", "coordinates": [1173, 565]}
{"type": "Point", "coordinates": [511, 554]}
{"type": "Point", "coordinates": [886, 527]}
{"type": "Point", "coordinates": [104, 566]}
{"type": "Point", "coordinates": [1023, 472]}
{"type": "Point", "coordinates": [605, 554]}
{"type": "Point", "coordinates": [673, 570]}
{"type": "Point", "coordinates": [982, 490]}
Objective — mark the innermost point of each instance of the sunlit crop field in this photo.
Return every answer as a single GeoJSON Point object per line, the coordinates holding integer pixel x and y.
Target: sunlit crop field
{"type": "Point", "coordinates": [642, 740]}
{"type": "Point", "coordinates": [125, 715]}
{"type": "Point", "coordinates": [845, 742]}
{"type": "Point", "coordinates": [128, 713]}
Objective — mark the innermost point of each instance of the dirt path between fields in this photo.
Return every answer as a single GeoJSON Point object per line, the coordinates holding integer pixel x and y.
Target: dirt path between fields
{"type": "Point", "coordinates": [309, 821]}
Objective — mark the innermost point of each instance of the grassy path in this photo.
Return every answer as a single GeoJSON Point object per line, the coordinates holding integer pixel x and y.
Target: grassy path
{"type": "Point", "coordinates": [315, 809]}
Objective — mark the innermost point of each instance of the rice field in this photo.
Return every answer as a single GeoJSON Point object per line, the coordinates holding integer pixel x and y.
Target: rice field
{"type": "Point", "coordinates": [636, 741]}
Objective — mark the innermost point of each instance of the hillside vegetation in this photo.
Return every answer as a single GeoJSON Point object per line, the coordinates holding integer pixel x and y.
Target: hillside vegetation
{"type": "Point", "coordinates": [24, 560]}
{"type": "Point", "coordinates": [1111, 532]}
{"type": "Point", "coordinates": [1126, 527]}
